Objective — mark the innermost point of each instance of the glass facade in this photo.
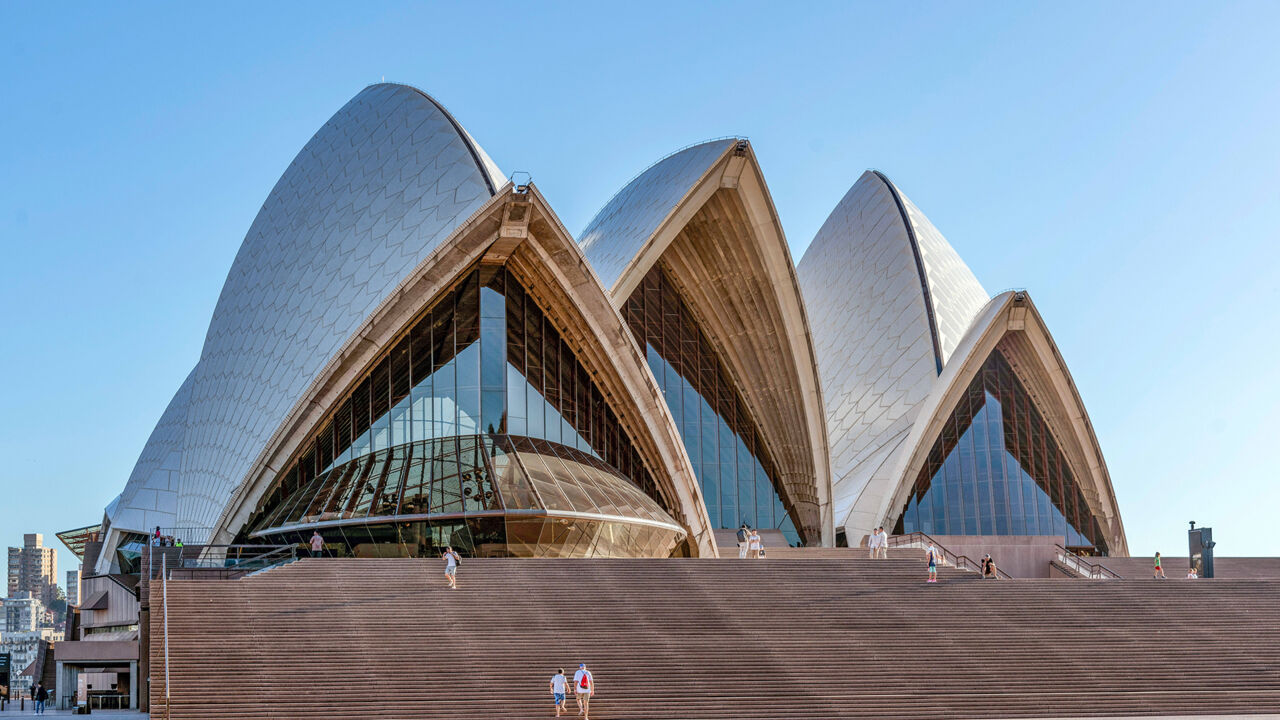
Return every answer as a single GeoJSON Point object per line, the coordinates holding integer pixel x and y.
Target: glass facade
{"type": "Point", "coordinates": [483, 360]}
{"type": "Point", "coordinates": [737, 476]}
{"type": "Point", "coordinates": [487, 495]}
{"type": "Point", "coordinates": [997, 470]}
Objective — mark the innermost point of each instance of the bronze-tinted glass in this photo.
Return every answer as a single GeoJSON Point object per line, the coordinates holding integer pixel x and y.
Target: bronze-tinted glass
{"type": "Point", "coordinates": [483, 359]}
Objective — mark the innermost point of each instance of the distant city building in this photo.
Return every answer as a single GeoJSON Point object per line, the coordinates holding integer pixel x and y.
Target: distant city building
{"type": "Point", "coordinates": [22, 648]}
{"type": "Point", "coordinates": [23, 613]}
{"type": "Point", "coordinates": [33, 568]}
{"type": "Point", "coordinates": [73, 587]}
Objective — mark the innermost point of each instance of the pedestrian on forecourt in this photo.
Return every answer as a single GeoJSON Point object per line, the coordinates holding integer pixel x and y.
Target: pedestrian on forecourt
{"type": "Point", "coordinates": [744, 538]}
{"type": "Point", "coordinates": [883, 547]}
{"type": "Point", "coordinates": [317, 544]}
{"type": "Point", "coordinates": [584, 686]}
{"type": "Point", "coordinates": [451, 562]}
{"type": "Point", "coordinates": [559, 684]}
{"type": "Point", "coordinates": [1159, 571]}
{"type": "Point", "coordinates": [932, 554]}
{"type": "Point", "coordinates": [41, 696]}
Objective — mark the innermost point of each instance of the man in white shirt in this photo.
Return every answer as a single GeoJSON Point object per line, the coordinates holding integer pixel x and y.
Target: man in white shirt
{"type": "Point", "coordinates": [558, 685]}
{"type": "Point", "coordinates": [584, 686]}
{"type": "Point", "coordinates": [882, 549]}
{"type": "Point", "coordinates": [873, 543]}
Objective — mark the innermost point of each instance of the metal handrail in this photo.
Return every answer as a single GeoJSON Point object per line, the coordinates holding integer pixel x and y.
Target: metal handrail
{"type": "Point", "coordinates": [1083, 567]}
{"type": "Point", "coordinates": [962, 562]}
{"type": "Point", "coordinates": [164, 586]}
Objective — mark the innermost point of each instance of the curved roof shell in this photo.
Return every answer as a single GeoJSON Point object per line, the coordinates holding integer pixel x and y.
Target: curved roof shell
{"type": "Point", "coordinates": [1011, 322]}
{"type": "Point", "coordinates": [379, 186]}
{"type": "Point", "coordinates": [889, 300]}
{"type": "Point", "coordinates": [547, 261]}
{"type": "Point", "coordinates": [705, 215]}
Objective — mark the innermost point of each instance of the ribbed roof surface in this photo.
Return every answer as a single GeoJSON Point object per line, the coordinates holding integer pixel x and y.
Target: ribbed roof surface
{"type": "Point", "coordinates": [617, 233]}
{"type": "Point", "coordinates": [869, 313]}
{"type": "Point", "coordinates": [386, 179]}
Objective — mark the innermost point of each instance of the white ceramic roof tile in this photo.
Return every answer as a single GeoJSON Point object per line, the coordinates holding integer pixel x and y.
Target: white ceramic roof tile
{"type": "Point", "coordinates": [870, 324]}
{"type": "Point", "coordinates": [386, 179]}
{"type": "Point", "coordinates": [618, 232]}
{"type": "Point", "coordinates": [957, 295]}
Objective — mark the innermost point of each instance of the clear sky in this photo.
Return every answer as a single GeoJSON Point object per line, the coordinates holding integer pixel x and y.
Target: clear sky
{"type": "Point", "coordinates": [1119, 160]}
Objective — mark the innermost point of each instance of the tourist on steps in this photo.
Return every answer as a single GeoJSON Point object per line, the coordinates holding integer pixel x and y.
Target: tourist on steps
{"type": "Point", "coordinates": [873, 543]}
{"type": "Point", "coordinates": [317, 544]}
{"type": "Point", "coordinates": [744, 538]}
{"type": "Point", "coordinates": [1192, 575]}
{"type": "Point", "coordinates": [1159, 571]}
{"type": "Point", "coordinates": [559, 683]}
{"type": "Point", "coordinates": [989, 568]}
{"type": "Point", "coordinates": [883, 547]}
{"type": "Point", "coordinates": [584, 686]}
{"type": "Point", "coordinates": [932, 554]}
{"type": "Point", "coordinates": [451, 560]}
{"type": "Point", "coordinates": [753, 546]}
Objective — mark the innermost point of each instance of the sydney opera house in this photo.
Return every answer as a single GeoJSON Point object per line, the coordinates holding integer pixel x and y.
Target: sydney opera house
{"type": "Point", "coordinates": [410, 351]}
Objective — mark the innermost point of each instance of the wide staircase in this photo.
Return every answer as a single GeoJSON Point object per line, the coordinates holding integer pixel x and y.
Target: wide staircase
{"type": "Point", "coordinates": [790, 636]}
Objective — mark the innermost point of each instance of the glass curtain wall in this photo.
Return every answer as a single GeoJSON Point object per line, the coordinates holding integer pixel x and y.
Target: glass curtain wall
{"type": "Point", "coordinates": [997, 470]}
{"type": "Point", "coordinates": [737, 476]}
{"type": "Point", "coordinates": [483, 359]}
{"type": "Point", "coordinates": [487, 495]}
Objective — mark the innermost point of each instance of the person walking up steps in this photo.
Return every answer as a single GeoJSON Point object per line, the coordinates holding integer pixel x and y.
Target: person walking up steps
{"type": "Point", "coordinates": [559, 683]}
{"type": "Point", "coordinates": [932, 554]}
{"type": "Point", "coordinates": [1159, 571]}
{"type": "Point", "coordinates": [584, 686]}
{"type": "Point", "coordinates": [744, 538]}
{"type": "Point", "coordinates": [317, 544]}
{"type": "Point", "coordinates": [882, 550]}
{"type": "Point", "coordinates": [451, 561]}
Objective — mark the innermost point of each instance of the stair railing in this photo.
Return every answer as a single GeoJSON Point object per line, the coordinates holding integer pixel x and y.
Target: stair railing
{"type": "Point", "coordinates": [1082, 567]}
{"type": "Point", "coordinates": [164, 586]}
{"type": "Point", "coordinates": [961, 562]}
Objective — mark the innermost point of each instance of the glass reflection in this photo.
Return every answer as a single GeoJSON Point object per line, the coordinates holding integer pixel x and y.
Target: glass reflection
{"type": "Point", "coordinates": [486, 495]}
{"type": "Point", "coordinates": [738, 478]}
{"type": "Point", "coordinates": [995, 469]}
{"type": "Point", "coordinates": [482, 359]}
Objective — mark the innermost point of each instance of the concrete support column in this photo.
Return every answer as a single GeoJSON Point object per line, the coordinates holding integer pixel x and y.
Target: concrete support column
{"type": "Point", "coordinates": [133, 685]}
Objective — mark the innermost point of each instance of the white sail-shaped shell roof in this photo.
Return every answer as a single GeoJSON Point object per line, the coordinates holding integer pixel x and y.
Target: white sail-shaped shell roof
{"type": "Point", "coordinates": [888, 301]}
{"type": "Point", "coordinates": [385, 180]}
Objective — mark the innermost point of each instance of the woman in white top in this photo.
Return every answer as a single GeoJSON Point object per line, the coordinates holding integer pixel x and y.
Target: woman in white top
{"type": "Point", "coordinates": [753, 545]}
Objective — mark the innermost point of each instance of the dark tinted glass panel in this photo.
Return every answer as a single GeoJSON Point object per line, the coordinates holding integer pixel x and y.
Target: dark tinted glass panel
{"type": "Point", "coordinates": [738, 477]}
{"type": "Point", "coordinates": [996, 469]}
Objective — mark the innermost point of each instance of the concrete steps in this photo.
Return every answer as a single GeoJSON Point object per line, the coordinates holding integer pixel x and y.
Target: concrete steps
{"type": "Point", "coordinates": [802, 637]}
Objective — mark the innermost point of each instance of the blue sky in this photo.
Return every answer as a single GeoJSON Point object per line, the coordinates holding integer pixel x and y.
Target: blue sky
{"type": "Point", "coordinates": [1120, 161]}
